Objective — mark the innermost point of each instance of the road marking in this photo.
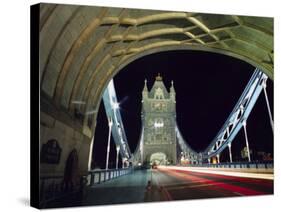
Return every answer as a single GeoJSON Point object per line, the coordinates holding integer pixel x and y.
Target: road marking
{"type": "Point", "coordinates": [194, 186]}
{"type": "Point", "coordinates": [238, 193]}
{"type": "Point", "coordinates": [167, 193]}
{"type": "Point", "coordinates": [162, 189]}
{"type": "Point", "coordinates": [205, 185]}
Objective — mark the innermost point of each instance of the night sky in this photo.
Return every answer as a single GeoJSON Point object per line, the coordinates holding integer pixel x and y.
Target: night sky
{"type": "Point", "coordinates": [207, 86]}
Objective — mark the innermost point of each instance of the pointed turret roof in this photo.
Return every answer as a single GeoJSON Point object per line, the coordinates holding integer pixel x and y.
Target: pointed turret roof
{"type": "Point", "coordinates": [158, 84]}
{"type": "Point", "coordinates": [145, 86]}
{"type": "Point", "coordinates": [172, 89]}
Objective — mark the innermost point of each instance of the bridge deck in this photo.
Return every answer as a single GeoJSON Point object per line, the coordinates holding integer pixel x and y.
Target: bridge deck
{"type": "Point", "coordinates": [168, 184]}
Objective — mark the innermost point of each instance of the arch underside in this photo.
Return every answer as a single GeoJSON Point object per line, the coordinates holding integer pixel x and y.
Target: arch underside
{"type": "Point", "coordinates": [158, 158]}
{"type": "Point", "coordinates": [82, 47]}
{"type": "Point", "coordinates": [169, 152]}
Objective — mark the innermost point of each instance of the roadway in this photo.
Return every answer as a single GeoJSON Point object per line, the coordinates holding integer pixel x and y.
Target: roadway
{"type": "Point", "coordinates": [174, 184]}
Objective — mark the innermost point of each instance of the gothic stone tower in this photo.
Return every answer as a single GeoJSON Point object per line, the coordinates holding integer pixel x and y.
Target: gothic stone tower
{"type": "Point", "coordinates": [158, 118]}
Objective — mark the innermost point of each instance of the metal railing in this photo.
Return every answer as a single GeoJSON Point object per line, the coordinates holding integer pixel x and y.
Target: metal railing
{"type": "Point", "coordinates": [100, 176]}
{"type": "Point", "coordinates": [54, 188]}
{"type": "Point", "coordinates": [237, 165]}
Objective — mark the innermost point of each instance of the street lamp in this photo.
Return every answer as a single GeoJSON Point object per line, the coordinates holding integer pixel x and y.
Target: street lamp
{"type": "Point", "coordinates": [117, 155]}
{"type": "Point", "coordinates": [115, 105]}
{"type": "Point", "coordinates": [110, 123]}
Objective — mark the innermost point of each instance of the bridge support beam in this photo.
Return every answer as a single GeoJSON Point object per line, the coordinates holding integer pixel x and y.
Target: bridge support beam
{"type": "Point", "coordinates": [246, 138]}
{"type": "Point", "coordinates": [108, 142]}
{"type": "Point", "coordinates": [218, 158]}
{"type": "Point", "coordinates": [230, 153]}
{"type": "Point", "coordinates": [267, 104]}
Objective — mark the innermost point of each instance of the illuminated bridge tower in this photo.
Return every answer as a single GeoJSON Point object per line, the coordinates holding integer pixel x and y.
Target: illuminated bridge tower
{"type": "Point", "coordinates": [158, 118]}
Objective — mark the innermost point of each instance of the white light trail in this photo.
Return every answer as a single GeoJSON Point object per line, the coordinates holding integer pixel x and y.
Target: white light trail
{"type": "Point", "coordinates": [231, 172]}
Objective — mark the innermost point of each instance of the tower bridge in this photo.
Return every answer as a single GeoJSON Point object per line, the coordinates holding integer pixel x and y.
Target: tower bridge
{"type": "Point", "coordinates": [84, 49]}
{"type": "Point", "coordinates": [160, 133]}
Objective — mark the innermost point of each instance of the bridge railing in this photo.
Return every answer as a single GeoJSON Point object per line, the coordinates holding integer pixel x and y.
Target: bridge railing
{"type": "Point", "coordinates": [100, 176]}
{"type": "Point", "coordinates": [54, 189]}
{"type": "Point", "coordinates": [237, 165]}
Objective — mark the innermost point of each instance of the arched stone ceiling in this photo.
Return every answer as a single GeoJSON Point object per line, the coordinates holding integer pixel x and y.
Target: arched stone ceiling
{"type": "Point", "coordinates": [82, 47]}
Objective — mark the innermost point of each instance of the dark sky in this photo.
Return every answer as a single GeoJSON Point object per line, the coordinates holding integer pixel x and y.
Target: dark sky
{"type": "Point", "coordinates": [207, 87]}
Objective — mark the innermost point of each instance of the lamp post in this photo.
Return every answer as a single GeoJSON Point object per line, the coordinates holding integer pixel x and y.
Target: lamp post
{"type": "Point", "coordinates": [117, 155]}
{"type": "Point", "coordinates": [230, 153]}
{"type": "Point", "coordinates": [246, 139]}
{"type": "Point", "coordinates": [108, 142]}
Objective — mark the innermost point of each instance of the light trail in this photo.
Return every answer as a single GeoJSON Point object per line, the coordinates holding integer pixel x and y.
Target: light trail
{"type": "Point", "coordinates": [267, 176]}
{"type": "Point", "coordinates": [215, 185]}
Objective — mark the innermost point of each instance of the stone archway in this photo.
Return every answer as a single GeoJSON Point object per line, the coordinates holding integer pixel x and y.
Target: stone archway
{"type": "Point", "coordinates": [158, 158]}
{"type": "Point", "coordinates": [71, 175]}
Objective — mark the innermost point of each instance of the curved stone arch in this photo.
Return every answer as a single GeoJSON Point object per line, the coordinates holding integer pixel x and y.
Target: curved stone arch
{"type": "Point", "coordinates": [163, 49]}
{"type": "Point", "coordinates": [174, 45]}
{"type": "Point", "coordinates": [142, 18]}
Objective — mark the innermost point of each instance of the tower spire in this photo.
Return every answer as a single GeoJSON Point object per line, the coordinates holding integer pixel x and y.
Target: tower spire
{"type": "Point", "coordinates": [145, 85]}
{"type": "Point", "coordinates": [172, 89]}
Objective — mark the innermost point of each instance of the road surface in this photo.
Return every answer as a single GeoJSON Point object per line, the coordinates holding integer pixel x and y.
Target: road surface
{"type": "Point", "coordinates": [169, 184]}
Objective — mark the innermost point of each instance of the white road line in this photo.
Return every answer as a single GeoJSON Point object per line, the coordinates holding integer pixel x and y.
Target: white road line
{"type": "Point", "coordinates": [238, 193]}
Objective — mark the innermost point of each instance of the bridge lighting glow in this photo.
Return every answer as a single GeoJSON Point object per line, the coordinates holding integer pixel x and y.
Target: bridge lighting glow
{"type": "Point", "coordinates": [115, 105]}
{"type": "Point", "coordinates": [91, 112]}
{"type": "Point", "coordinates": [110, 122]}
{"type": "Point", "coordinates": [78, 102]}
{"type": "Point", "coordinates": [157, 125]}
{"type": "Point", "coordinates": [119, 131]}
{"type": "Point", "coordinates": [214, 160]}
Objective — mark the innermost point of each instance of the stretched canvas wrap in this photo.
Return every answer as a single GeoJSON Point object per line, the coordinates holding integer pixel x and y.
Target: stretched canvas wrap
{"type": "Point", "coordinates": [146, 106]}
